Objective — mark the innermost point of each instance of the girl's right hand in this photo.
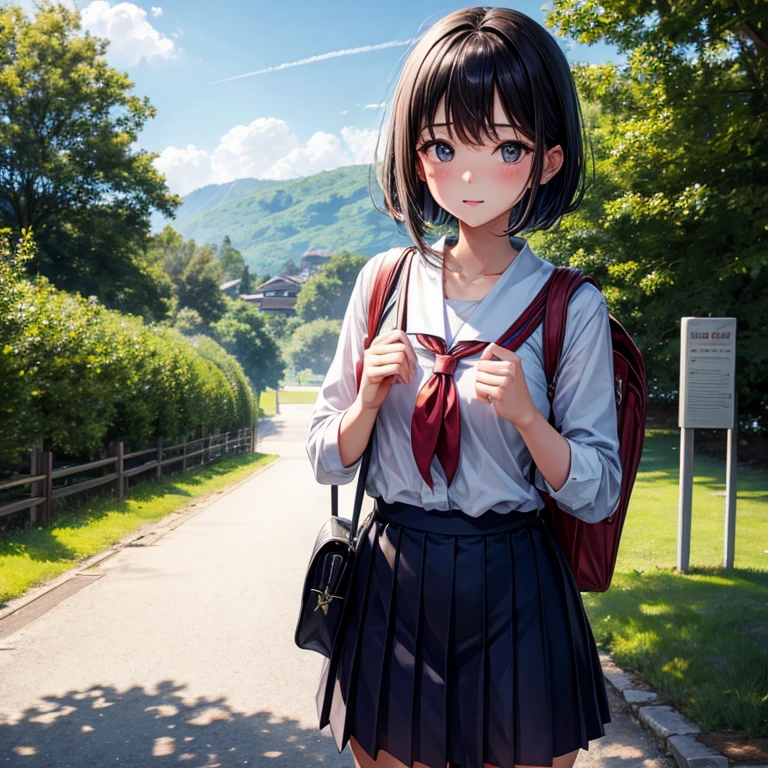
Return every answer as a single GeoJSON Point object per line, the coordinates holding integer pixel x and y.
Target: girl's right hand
{"type": "Point", "coordinates": [389, 358]}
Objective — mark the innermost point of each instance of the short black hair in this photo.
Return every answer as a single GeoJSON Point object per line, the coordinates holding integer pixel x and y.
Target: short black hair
{"type": "Point", "coordinates": [466, 57]}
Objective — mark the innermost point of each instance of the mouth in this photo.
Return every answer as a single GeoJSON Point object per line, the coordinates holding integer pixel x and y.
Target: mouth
{"type": "Point", "coordinates": [473, 202]}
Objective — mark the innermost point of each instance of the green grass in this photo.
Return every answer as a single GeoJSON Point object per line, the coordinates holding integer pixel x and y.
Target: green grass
{"type": "Point", "coordinates": [31, 557]}
{"type": "Point", "coordinates": [267, 399]}
{"type": "Point", "coordinates": [700, 639]}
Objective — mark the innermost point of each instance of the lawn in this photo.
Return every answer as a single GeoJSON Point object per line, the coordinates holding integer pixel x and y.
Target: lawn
{"type": "Point", "coordinates": [29, 558]}
{"type": "Point", "coordinates": [700, 639]}
{"type": "Point", "coordinates": [267, 399]}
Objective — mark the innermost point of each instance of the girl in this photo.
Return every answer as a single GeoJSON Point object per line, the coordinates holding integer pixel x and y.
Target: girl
{"type": "Point", "coordinates": [464, 639]}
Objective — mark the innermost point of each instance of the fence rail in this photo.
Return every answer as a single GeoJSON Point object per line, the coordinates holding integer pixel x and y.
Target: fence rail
{"type": "Point", "coordinates": [42, 474]}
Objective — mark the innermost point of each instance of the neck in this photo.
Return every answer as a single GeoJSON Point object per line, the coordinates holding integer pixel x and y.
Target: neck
{"type": "Point", "coordinates": [481, 250]}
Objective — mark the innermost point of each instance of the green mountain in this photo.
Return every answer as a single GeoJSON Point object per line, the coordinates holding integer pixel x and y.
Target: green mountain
{"type": "Point", "coordinates": [270, 222]}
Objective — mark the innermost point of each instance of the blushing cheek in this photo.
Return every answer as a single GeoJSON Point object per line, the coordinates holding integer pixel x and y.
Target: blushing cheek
{"type": "Point", "coordinates": [441, 172]}
{"type": "Point", "coordinates": [511, 172]}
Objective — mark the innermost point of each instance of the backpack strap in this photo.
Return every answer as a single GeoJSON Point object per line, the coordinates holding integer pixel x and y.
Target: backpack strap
{"type": "Point", "coordinates": [565, 281]}
{"type": "Point", "coordinates": [387, 276]}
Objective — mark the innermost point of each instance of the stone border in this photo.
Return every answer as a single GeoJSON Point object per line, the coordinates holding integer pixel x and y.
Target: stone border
{"type": "Point", "coordinates": [677, 733]}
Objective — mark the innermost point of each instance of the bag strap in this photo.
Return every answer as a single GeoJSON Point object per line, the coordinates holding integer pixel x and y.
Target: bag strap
{"type": "Point", "coordinates": [565, 281]}
{"type": "Point", "coordinates": [386, 278]}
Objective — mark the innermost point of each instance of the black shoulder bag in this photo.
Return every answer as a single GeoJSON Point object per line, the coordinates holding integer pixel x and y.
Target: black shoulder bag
{"type": "Point", "coordinates": [327, 579]}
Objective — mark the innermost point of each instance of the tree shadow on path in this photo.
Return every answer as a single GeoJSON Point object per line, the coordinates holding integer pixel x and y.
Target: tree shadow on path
{"type": "Point", "coordinates": [138, 728]}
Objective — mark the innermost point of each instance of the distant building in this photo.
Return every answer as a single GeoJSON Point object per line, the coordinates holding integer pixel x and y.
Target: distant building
{"type": "Point", "coordinates": [312, 260]}
{"type": "Point", "coordinates": [231, 288]}
{"type": "Point", "coordinates": [278, 294]}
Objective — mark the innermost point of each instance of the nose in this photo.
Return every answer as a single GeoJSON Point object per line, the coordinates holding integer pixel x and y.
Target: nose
{"type": "Point", "coordinates": [467, 176]}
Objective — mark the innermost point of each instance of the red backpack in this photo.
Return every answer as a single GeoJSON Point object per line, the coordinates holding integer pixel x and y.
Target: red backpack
{"type": "Point", "coordinates": [589, 548]}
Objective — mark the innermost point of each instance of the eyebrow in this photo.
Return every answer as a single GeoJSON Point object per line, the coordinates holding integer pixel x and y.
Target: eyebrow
{"type": "Point", "coordinates": [496, 125]}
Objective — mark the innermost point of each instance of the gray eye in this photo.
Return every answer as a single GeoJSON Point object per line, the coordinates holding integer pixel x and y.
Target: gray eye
{"type": "Point", "coordinates": [443, 152]}
{"type": "Point", "coordinates": [511, 153]}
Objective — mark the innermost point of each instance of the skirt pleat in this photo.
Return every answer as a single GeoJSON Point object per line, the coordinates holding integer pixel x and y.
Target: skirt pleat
{"type": "Point", "coordinates": [432, 721]}
{"type": "Point", "coordinates": [501, 651]}
{"type": "Point", "coordinates": [397, 737]}
{"type": "Point", "coordinates": [469, 647]}
{"type": "Point", "coordinates": [534, 715]}
{"type": "Point", "coordinates": [467, 654]}
{"type": "Point", "coordinates": [376, 639]}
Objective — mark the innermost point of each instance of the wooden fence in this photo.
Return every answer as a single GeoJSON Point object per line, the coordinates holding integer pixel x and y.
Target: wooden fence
{"type": "Point", "coordinates": [196, 452]}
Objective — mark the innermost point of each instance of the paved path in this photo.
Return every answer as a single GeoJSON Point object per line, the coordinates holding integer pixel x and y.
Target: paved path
{"type": "Point", "coordinates": [181, 651]}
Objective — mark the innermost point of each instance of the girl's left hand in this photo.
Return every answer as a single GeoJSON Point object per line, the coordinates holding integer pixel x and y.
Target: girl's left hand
{"type": "Point", "coordinates": [505, 382]}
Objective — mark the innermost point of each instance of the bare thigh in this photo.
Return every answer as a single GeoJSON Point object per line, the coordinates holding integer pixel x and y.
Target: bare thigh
{"type": "Point", "coordinates": [385, 760]}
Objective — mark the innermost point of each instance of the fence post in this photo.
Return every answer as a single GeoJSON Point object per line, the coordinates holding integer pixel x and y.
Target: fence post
{"type": "Point", "coordinates": [184, 454]}
{"type": "Point", "coordinates": [226, 443]}
{"type": "Point", "coordinates": [47, 468]}
{"type": "Point", "coordinates": [35, 489]}
{"type": "Point", "coordinates": [120, 477]}
{"type": "Point", "coordinates": [159, 458]}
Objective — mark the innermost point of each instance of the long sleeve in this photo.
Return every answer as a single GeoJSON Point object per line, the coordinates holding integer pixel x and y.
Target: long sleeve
{"type": "Point", "coordinates": [339, 388]}
{"type": "Point", "coordinates": [585, 407]}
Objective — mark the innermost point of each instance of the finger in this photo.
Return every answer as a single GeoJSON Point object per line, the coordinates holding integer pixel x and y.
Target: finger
{"type": "Point", "coordinates": [411, 352]}
{"type": "Point", "coordinates": [494, 349]}
{"type": "Point", "coordinates": [490, 379]}
{"type": "Point", "coordinates": [483, 390]}
{"type": "Point", "coordinates": [381, 358]}
{"type": "Point", "coordinates": [381, 372]}
{"type": "Point", "coordinates": [383, 349]}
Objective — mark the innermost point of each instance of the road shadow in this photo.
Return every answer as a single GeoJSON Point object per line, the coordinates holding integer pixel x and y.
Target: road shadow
{"type": "Point", "coordinates": [140, 728]}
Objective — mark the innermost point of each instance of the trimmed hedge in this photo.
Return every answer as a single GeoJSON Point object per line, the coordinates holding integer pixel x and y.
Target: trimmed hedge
{"type": "Point", "coordinates": [78, 375]}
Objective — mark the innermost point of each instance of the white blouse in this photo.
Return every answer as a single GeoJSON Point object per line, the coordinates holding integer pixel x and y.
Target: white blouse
{"type": "Point", "coordinates": [495, 462]}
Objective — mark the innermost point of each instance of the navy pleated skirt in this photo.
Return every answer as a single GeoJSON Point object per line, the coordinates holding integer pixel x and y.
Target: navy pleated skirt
{"type": "Point", "coordinates": [462, 640]}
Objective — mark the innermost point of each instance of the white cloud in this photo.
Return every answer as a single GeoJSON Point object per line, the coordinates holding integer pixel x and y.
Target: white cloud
{"type": "Point", "coordinates": [157, 11]}
{"type": "Point", "coordinates": [264, 149]}
{"type": "Point", "coordinates": [375, 106]}
{"type": "Point", "coordinates": [361, 143]}
{"type": "Point", "coordinates": [132, 37]}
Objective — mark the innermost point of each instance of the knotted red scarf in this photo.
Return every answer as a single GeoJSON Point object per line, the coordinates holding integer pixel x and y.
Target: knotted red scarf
{"type": "Point", "coordinates": [436, 424]}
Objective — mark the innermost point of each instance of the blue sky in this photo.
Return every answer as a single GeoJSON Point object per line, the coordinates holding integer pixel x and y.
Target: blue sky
{"type": "Point", "coordinates": [265, 89]}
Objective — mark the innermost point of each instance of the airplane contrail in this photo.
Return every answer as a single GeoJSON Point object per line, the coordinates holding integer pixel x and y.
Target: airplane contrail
{"type": "Point", "coordinates": [319, 57]}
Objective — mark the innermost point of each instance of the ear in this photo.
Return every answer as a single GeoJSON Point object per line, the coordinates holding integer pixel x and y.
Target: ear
{"type": "Point", "coordinates": [553, 161]}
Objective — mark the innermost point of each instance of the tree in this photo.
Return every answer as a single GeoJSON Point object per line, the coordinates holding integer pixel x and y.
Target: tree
{"type": "Point", "coordinates": [246, 282]}
{"type": "Point", "coordinates": [198, 287]}
{"type": "Point", "coordinates": [327, 292]}
{"type": "Point", "coordinates": [244, 333]}
{"type": "Point", "coordinates": [290, 268]}
{"type": "Point", "coordinates": [314, 344]}
{"type": "Point", "coordinates": [232, 262]}
{"type": "Point", "coordinates": [67, 170]}
{"type": "Point", "coordinates": [676, 221]}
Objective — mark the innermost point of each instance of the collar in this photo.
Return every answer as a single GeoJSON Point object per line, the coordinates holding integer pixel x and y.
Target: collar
{"type": "Point", "coordinates": [501, 306]}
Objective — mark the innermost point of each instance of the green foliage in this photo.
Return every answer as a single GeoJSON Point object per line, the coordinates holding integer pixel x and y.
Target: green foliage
{"type": "Point", "coordinates": [75, 374]}
{"type": "Point", "coordinates": [244, 333]}
{"type": "Point", "coordinates": [231, 260]}
{"type": "Point", "coordinates": [327, 292]}
{"type": "Point", "coordinates": [67, 125]}
{"type": "Point", "coordinates": [314, 344]}
{"type": "Point", "coordinates": [194, 271]}
{"type": "Point", "coordinates": [198, 287]}
{"type": "Point", "coordinates": [189, 322]}
{"type": "Point", "coordinates": [676, 221]}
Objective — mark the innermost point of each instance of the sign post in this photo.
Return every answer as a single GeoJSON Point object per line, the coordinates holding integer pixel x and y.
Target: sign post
{"type": "Point", "coordinates": [707, 401]}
